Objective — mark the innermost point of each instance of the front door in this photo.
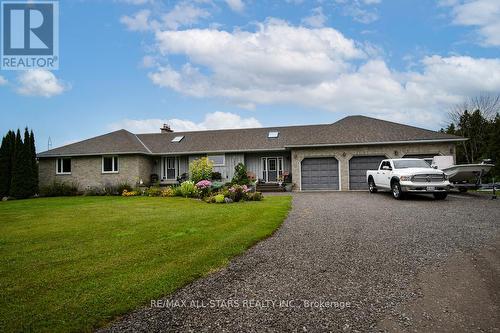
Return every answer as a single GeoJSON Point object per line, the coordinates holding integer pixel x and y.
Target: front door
{"type": "Point", "coordinates": [272, 169]}
{"type": "Point", "coordinates": [169, 171]}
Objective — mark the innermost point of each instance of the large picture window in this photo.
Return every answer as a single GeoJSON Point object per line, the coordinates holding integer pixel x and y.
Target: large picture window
{"type": "Point", "coordinates": [63, 166]}
{"type": "Point", "coordinates": [217, 160]}
{"type": "Point", "coordinates": [110, 164]}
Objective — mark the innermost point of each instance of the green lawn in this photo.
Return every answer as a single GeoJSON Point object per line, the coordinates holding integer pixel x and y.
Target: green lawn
{"type": "Point", "coordinates": [73, 264]}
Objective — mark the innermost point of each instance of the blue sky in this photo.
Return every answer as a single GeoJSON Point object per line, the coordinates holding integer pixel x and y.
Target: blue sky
{"type": "Point", "coordinates": [204, 64]}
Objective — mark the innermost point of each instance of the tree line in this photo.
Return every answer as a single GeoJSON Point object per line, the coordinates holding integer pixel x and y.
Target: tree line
{"type": "Point", "coordinates": [477, 119]}
{"type": "Point", "coordinates": [18, 165]}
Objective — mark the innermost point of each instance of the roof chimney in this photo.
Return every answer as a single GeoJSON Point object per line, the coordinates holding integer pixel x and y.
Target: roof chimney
{"type": "Point", "coordinates": [166, 129]}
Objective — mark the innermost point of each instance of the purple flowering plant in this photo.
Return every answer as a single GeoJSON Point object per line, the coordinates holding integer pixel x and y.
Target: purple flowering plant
{"type": "Point", "coordinates": [204, 187]}
{"type": "Point", "coordinates": [203, 184]}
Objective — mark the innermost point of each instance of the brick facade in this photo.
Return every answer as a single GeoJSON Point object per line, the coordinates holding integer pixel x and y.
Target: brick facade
{"type": "Point", "coordinates": [86, 171]}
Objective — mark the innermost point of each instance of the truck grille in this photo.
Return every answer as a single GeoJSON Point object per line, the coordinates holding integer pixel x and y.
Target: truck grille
{"type": "Point", "coordinates": [424, 178]}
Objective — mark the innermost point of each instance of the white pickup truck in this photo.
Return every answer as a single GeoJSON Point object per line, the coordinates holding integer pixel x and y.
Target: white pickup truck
{"type": "Point", "coordinates": [405, 175]}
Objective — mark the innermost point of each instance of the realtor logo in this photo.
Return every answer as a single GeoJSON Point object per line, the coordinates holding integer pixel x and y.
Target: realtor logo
{"type": "Point", "coordinates": [30, 35]}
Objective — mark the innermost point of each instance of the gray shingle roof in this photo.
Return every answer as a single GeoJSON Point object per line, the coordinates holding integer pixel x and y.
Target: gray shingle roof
{"type": "Point", "coordinates": [352, 130]}
{"type": "Point", "coordinates": [118, 142]}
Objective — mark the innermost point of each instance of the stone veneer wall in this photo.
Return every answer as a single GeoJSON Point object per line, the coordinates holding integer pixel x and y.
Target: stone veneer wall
{"type": "Point", "coordinates": [344, 154]}
{"type": "Point", "coordinates": [86, 171]}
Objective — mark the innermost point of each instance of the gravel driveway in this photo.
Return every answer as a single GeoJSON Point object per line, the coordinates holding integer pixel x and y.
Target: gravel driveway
{"type": "Point", "coordinates": [354, 262]}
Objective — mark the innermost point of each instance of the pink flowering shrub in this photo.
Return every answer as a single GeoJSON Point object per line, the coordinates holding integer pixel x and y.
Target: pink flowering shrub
{"type": "Point", "coordinates": [202, 184]}
{"type": "Point", "coordinates": [204, 187]}
{"type": "Point", "coordinates": [238, 192]}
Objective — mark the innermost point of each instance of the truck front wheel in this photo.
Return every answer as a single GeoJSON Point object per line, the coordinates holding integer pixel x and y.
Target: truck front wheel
{"type": "Point", "coordinates": [396, 191]}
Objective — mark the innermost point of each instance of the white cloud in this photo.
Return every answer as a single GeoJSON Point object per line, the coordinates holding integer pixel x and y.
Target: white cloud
{"type": "Point", "coordinates": [276, 51]}
{"type": "Point", "coordinates": [483, 14]}
{"type": "Point", "coordinates": [360, 10]}
{"type": "Point", "coordinates": [138, 22]}
{"type": "Point", "coordinates": [3, 81]}
{"type": "Point", "coordinates": [317, 68]}
{"type": "Point", "coordinates": [317, 19]}
{"type": "Point", "coordinates": [149, 62]}
{"type": "Point", "coordinates": [215, 120]}
{"type": "Point", "coordinates": [236, 5]}
{"type": "Point", "coordinates": [184, 14]}
{"type": "Point", "coordinates": [40, 83]}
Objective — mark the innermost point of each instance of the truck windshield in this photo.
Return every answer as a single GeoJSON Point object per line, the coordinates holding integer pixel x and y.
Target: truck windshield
{"type": "Point", "coordinates": [404, 164]}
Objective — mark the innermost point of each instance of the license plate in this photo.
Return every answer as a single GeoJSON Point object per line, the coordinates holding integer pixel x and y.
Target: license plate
{"type": "Point", "coordinates": [431, 188]}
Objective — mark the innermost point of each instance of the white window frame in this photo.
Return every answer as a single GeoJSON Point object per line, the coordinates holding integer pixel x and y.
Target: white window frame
{"type": "Point", "coordinates": [112, 164]}
{"type": "Point", "coordinates": [60, 159]}
{"type": "Point", "coordinates": [218, 155]}
{"type": "Point", "coordinates": [279, 166]}
{"type": "Point", "coordinates": [178, 138]}
{"type": "Point", "coordinates": [164, 167]}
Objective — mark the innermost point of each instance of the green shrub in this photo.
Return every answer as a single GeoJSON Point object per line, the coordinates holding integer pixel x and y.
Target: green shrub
{"type": "Point", "coordinates": [59, 189]}
{"type": "Point", "coordinates": [188, 189]}
{"type": "Point", "coordinates": [154, 191]}
{"type": "Point", "coordinates": [210, 199]}
{"type": "Point", "coordinates": [219, 198]}
{"type": "Point", "coordinates": [177, 191]}
{"type": "Point", "coordinates": [94, 191]}
{"type": "Point", "coordinates": [240, 175]}
{"type": "Point", "coordinates": [254, 196]}
{"type": "Point", "coordinates": [217, 186]}
{"type": "Point", "coordinates": [111, 189]}
{"type": "Point", "coordinates": [238, 192]}
{"type": "Point", "coordinates": [201, 169]}
{"type": "Point", "coordinates": [167, 192]}
{"type": "Point", "coordinates": [124, 186]}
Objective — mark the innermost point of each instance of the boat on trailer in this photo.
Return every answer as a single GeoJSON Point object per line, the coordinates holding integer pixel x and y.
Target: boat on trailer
{"type": "Point", "coordinates": [462, 176]}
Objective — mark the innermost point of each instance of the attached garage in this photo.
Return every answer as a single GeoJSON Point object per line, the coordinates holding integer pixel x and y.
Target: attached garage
{"type": "Point", "coordinates": [320, 174]}
{"type": "Point", "coordinates": [357, 170]}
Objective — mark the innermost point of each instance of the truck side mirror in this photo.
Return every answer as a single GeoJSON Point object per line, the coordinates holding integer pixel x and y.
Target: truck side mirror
{"type": "Point", "coordinates": [385, 167]}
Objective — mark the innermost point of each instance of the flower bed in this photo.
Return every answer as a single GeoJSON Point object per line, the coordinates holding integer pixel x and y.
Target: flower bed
{"type": "Point", "coordinates": [204, 190]}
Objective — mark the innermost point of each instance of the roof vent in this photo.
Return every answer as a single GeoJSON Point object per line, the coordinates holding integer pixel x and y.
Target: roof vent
{"type": "Point", "coordinates": [273, 134]}
{"type": "Point", "coordinates": [178, 138]}
{"type": "Point", "coordinates": [166, 129]}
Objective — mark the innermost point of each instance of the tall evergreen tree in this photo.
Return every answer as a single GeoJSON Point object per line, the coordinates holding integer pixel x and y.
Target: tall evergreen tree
{"type": "Point", "coordinates": [34, 167]}
{"type": "Point", "coordinates": [21, 170]}
{"type": "Point", "coordinates": [6, 159]}
{"type": "Point", "coordinates": [4, 168]}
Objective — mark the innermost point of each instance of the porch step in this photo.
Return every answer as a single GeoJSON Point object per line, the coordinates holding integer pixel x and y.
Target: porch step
{"type": "Point", "coordinates": [269, 188]}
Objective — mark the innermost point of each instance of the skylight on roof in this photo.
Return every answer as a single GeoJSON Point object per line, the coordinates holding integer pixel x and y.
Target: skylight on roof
{"type": "Point", "coordinates": [273, 134]}
{"type": "Point", "coordinates": [178, 138]}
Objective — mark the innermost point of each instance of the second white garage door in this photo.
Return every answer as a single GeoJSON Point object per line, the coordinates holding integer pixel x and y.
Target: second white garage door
{"type": "Point", "coordinates": [320, 174]}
